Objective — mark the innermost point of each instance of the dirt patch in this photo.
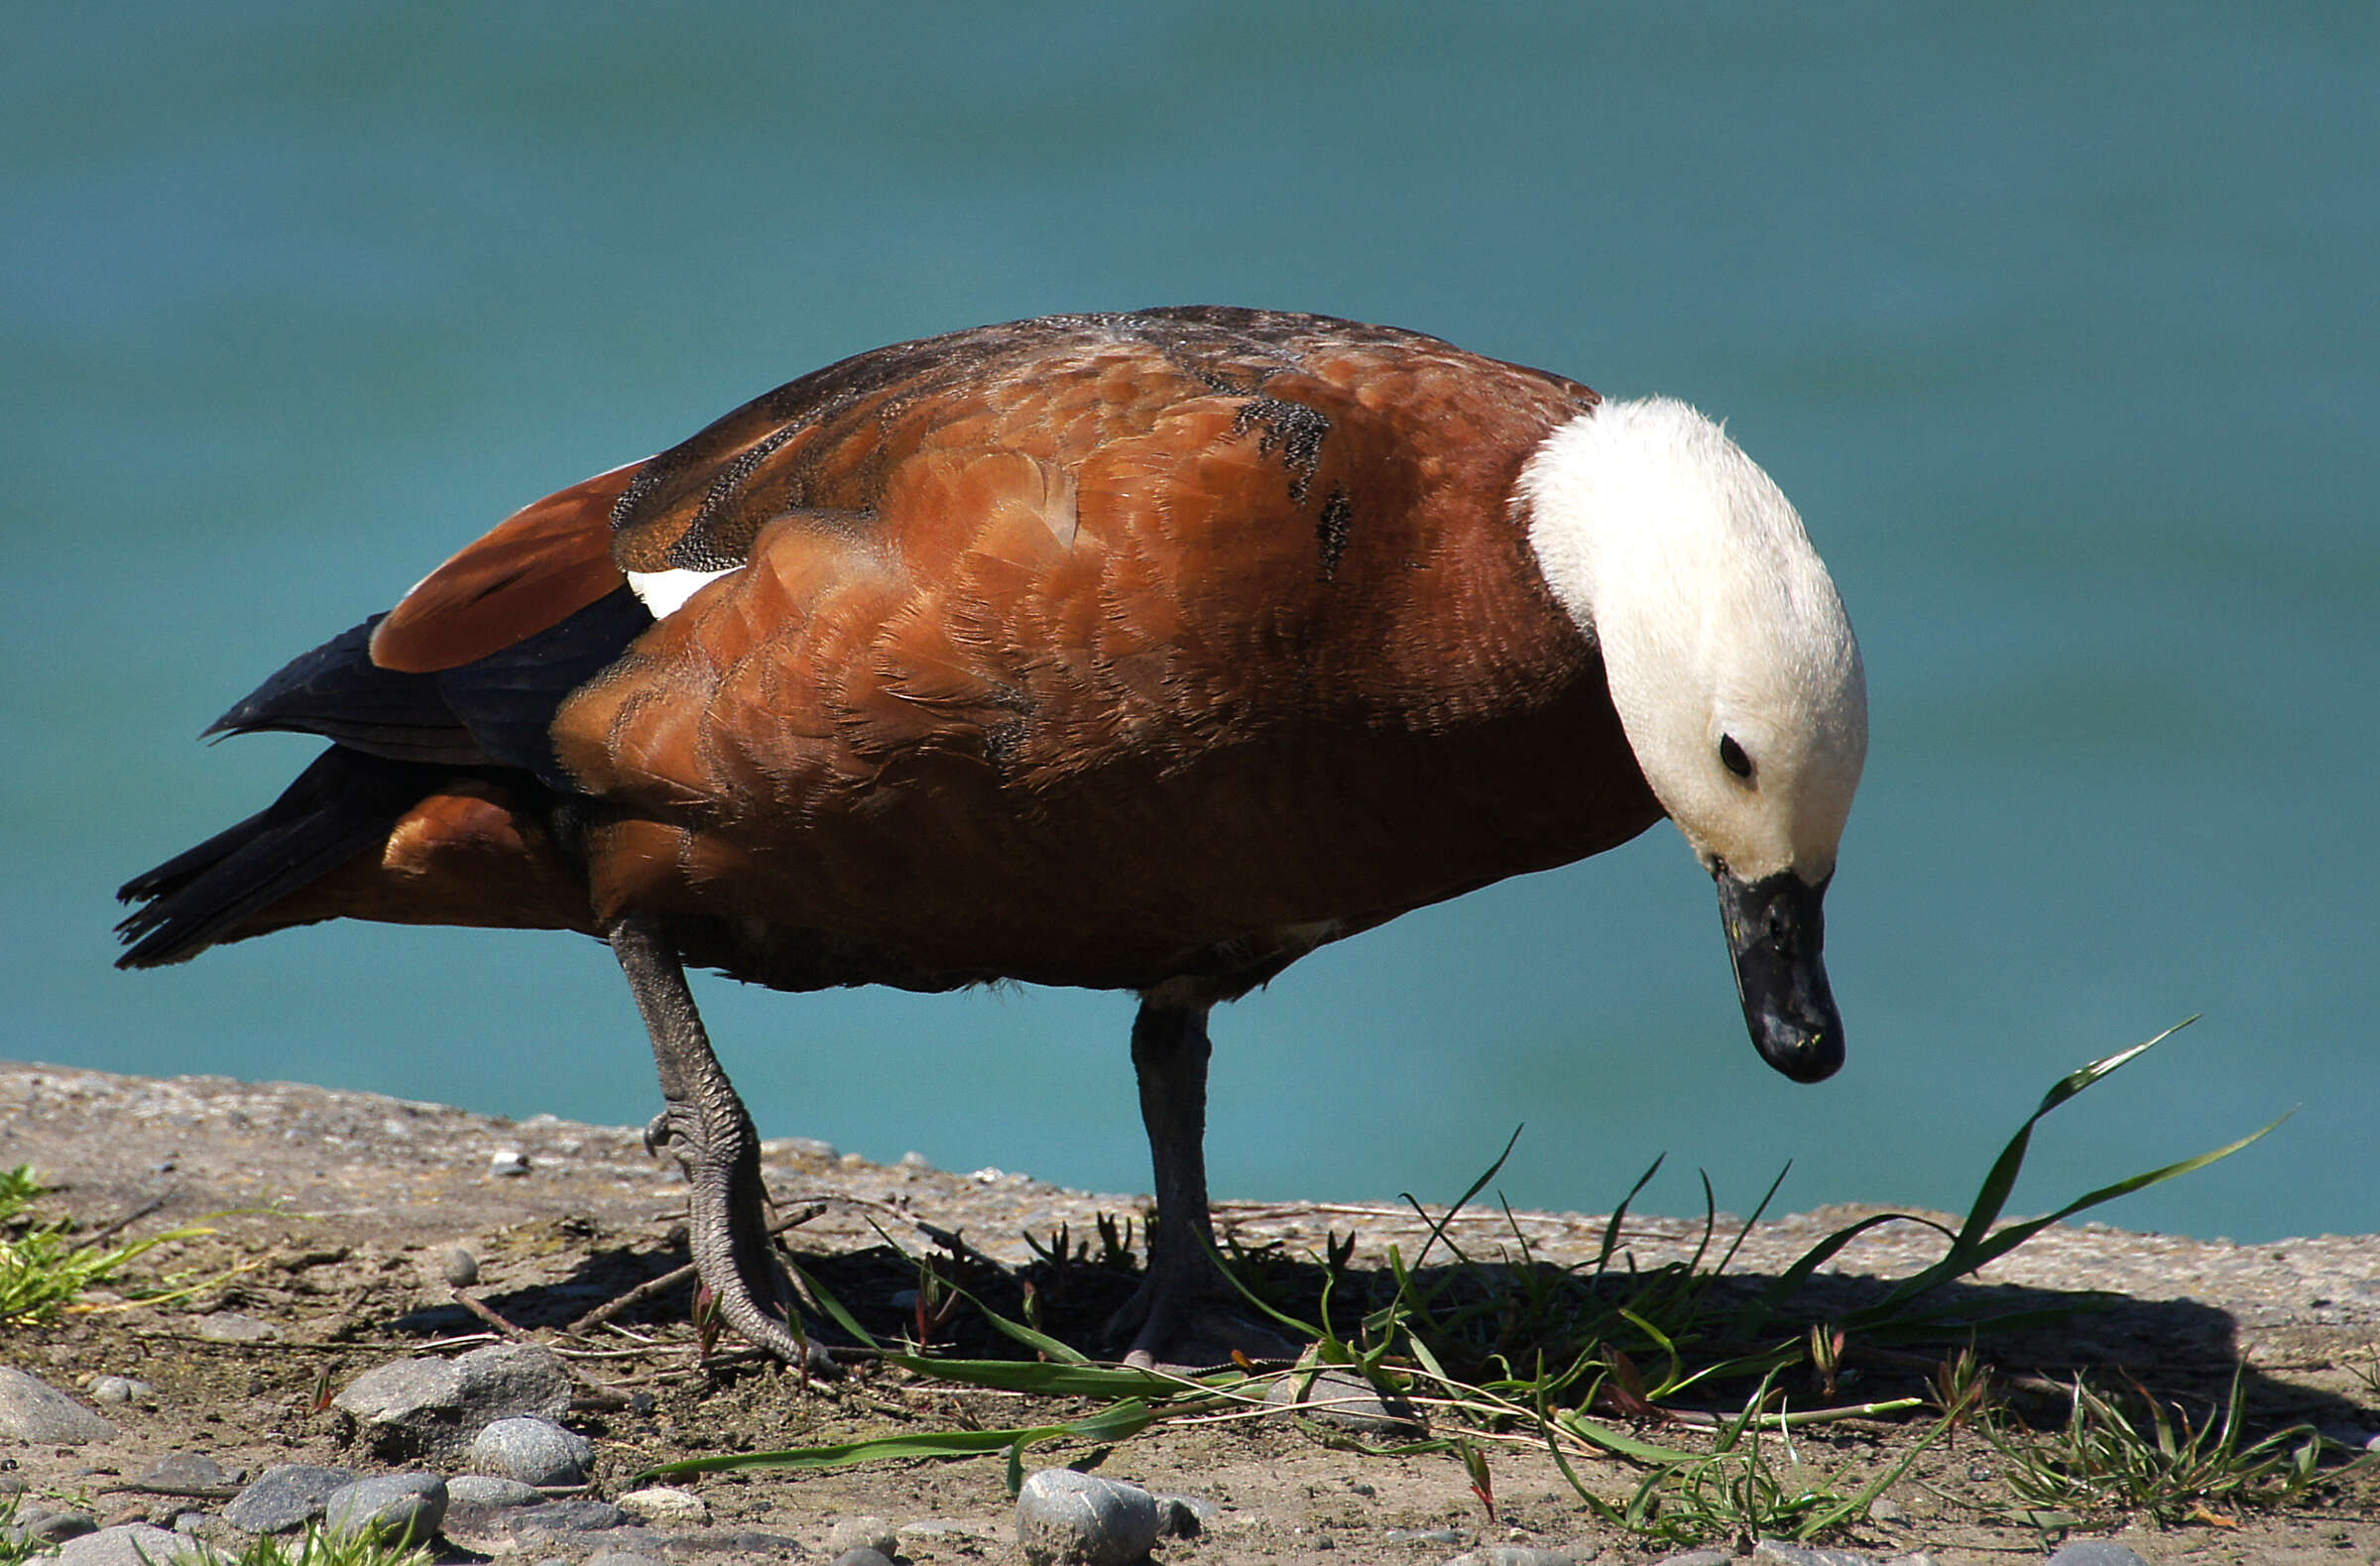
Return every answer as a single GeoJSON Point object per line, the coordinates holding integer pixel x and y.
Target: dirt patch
{"type": "Point", "coordinates": [337, 1216]}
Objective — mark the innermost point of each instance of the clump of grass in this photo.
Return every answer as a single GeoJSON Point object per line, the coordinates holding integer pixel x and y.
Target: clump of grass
{"type": "Point", "coordinates": [313, 1547]}
{"type": "Point", "coordinates": [45, 1267]}
{"type": "Point", "coordinates": [1737, 1493]}
{"type": "Point", "coordinates": [12, 1547]}
{"type": "Point", "coordinates": [2124, 1456]}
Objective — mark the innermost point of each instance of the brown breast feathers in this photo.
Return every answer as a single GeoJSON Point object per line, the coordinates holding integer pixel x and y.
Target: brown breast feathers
{"type": "Point", "coordinates": [1096, 651]}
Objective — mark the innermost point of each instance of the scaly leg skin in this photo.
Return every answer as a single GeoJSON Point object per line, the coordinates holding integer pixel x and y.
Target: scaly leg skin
{"type": "Point", "coordinates": [727, 1226]}
{"type": "Point", "coordinates": [1185, 1307]}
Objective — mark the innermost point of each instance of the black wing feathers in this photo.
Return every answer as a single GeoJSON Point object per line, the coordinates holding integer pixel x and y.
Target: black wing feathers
{"type": "Point", "coordinates": [493, 712]}
{"type": "Point", "coordinates": [338, 693]}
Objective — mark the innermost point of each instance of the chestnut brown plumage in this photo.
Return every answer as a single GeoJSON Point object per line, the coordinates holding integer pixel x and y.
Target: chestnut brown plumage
{"type": "Point", "coordinates": [1139, 651]}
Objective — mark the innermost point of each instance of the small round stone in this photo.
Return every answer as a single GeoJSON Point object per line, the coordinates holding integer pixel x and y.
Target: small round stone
{"type": "Point", "coordinates": [394, 1509]}
{"type": "Point", "coordinates": [1186, 1516]}
{"type": "Point", "coordinates": [130, 1545]}
{"type": "Point", "coordinates": [2096, 1552]}
{"type": "Point", "coordinates": [459, 1266]}
{"type": "Point", "coordinates": [31, 1409]}
{"type": "Point", "coordinates": [187, 1474]}
{"type": "Point", "coordinates": [1066, 1519]}
{"type": "Point", "coordinates": [862, 1557]}
{"type": "Point", "coordinates": [533, 1451]}
{"type": "Point", "coordinates": [480, 1490]}
{"type": "Point", "coordinates": [666, 1507]}
{"type": "Point", "coordinates": [1342, 1397]}
{"type": "Point", "coordinates": [286, 1496]}
{"type": "Point", "coordinates": [862, 1532]}
{"type": "Point", "coordinates": [39, 1525]}
{"type": "Point", "coordinates": [119, 1389]}
{"type": "Point", "coordinates": [229, 1326]}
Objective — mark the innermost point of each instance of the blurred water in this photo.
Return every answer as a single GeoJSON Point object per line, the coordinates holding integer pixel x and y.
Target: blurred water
{"type": "Point", "coordinates": [2055, 323]}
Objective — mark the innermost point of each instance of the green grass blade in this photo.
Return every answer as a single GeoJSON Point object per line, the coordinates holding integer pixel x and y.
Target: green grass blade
{"type": "Point", "coordinates": [1756, 1315]}
{"type": "Point", "coordinates": [1965, 1256]}
{"type": "Point", "coordinates": [1117, 1422]}
{"type": "Point", "coordinates": [1438, 1225]}
{"type": "Point", "coordinates": [1626, 1446]}
{"type": "Point", "coordinates": [1032, 1338]}
{"type": "Point", "coordinates": [825, 1300]}
{"type": "Point", "coordinates": [1603, 1254]}
{"type": "Point", "coordinates": [1052, 1380]}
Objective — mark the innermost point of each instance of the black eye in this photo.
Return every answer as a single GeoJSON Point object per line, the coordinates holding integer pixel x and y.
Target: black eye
{"type": "Point", "coordinates": [1732, 754]}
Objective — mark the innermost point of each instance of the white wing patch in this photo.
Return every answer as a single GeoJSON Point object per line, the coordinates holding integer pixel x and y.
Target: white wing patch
{"type": "Point", "coordinates": [666, 592]}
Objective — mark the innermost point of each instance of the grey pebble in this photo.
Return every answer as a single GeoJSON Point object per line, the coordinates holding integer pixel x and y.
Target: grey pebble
{"type": "Point", "coordinates": [862, 1556]}
{"type": "Point", "coordinates": [130, 1544]}
{"type": "Point", "coordinates": [1514, 1555]}
{"type": "Point", "coordinates": [666, 1507]}
{"type": "Point", "coordinates": [864, 1533]}
{"type": "Point", "coordinates": [41, 1525]}
{"type": "Point", "coordinates": [1186, 1516]}
{"type": "Point", "coordinates": [2096, 1552]}
{"type": "Point", "coordinates": [1778, 1552]}
{"type": "Point", "coordinates": [459, 1266]}
{"type": "Point", "coordinates": [396, 1508]}
{"type": "Point", "coordinates": [1705, 1556]}
{"type": "Point", "coordinates": [581, 1514]}
{"type": "Point", "coordinates": [1344, 1399]}
{"type": "Point", "coordinates": [31, 1409]}
{"type": "Point", "coordinates": [1066, 1519]}
{"type": "Point", "coordinates": [426, 1407]}
{"type": "Point", "coordinates": [187, 1474]}
{"type": "Point", "coordinates": [485, 1490]}
{"type": "Point", "coordinates": [1427, 1537]}
{"type": "Point", "coordinates": [745, 1542]}
{"type": "Point", "coordinates": [612, 1557]}
{"type": "Point", "coordinates": [119, 1389]}
{"type": "Point", "coordinates": [229, 1326]}
{"type": "Point", "coordinates": [286, 1496]}
{"type": "Point", "coordinates": [533, 1451]}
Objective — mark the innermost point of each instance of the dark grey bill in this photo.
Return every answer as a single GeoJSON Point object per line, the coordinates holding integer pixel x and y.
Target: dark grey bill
{"type": "Point", "coordinates": [1776, 935]}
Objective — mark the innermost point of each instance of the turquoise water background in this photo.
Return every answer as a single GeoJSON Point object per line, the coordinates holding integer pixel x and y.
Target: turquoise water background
{"type": "Point", "coordinates": [2056, 322]}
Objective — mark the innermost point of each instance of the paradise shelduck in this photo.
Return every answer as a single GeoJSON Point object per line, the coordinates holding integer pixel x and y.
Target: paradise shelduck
{"type": "Point", "coordinates": [1144, 652]}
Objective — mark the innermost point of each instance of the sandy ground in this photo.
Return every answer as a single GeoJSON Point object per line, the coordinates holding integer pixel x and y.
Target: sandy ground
{"type": "Point", "coordinates": [341, 1210]}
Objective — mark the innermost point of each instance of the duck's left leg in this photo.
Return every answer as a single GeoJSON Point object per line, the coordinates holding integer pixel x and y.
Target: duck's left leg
{"type": "Point", "coordinates": [727, 1223]}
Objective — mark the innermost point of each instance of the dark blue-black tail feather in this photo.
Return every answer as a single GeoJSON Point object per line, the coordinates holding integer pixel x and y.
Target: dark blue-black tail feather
{"type": "Point", "coordinates": [398, 738]}
{"type": "Point", "coordinates": [341, 805]}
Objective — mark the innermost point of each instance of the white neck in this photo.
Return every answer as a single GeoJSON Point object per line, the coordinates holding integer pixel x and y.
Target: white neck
{"type": "Point", "coordinates": [1715, 619]}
